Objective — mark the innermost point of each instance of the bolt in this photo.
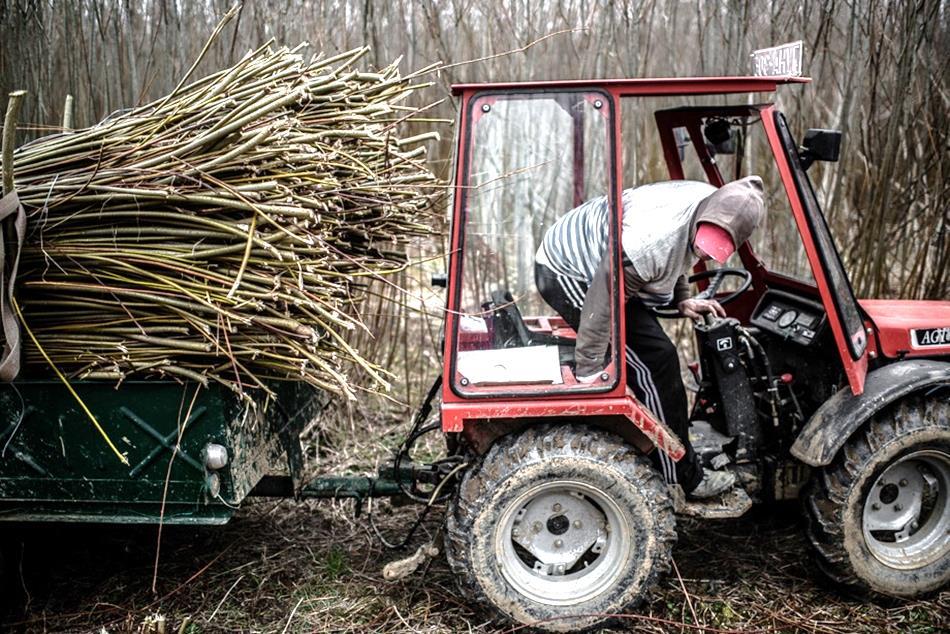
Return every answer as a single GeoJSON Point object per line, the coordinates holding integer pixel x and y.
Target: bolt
{"type": "Point", "coordinates": [875, 507]}
{"type": "Point", "coordinates": [898, 507]}
{"type": "Point", "coordinates": [558, 543]}
{"type": "Point", "coordinates": [537, 526]}
{"type": "Point", "coordinates": [577, 524]}
{"type": "Point", "coordinates": [556, 508]}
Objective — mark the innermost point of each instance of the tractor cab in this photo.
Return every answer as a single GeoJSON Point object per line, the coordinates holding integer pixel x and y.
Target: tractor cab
{"type": "Point", "coordinates": [530, 153]}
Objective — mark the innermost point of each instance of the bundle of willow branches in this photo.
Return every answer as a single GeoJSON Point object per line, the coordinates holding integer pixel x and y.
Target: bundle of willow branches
{"type": "Point", "coordinates": [225, 231]}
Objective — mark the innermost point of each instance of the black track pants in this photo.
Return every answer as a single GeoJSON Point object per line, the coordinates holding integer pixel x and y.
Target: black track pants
{"type": "Point", "coordinates": [653, 369]}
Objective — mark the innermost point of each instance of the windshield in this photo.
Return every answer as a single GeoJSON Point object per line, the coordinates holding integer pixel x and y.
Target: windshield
{"type": "Point", "coordinates": [849, 314]}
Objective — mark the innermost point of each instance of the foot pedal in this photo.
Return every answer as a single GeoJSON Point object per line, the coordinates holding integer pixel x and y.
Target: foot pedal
{"type": "Point", "coordinates": [733, 503]}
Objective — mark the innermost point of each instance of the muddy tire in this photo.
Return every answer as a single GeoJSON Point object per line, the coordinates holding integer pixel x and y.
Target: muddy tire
{"type": "Point", "coordinates": [558, 527]}
{"type": "Point", "coordinates": [879, 516]}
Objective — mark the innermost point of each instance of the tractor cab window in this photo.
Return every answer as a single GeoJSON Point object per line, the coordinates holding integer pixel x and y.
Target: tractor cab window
{"type": "Point", "coordinates": [729, 143]}
{"type": "Point", "coordinates": [530, 160]}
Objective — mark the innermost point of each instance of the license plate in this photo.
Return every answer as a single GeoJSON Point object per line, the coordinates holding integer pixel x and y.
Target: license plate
{"type": "Point", "coordinates": [778, 61]}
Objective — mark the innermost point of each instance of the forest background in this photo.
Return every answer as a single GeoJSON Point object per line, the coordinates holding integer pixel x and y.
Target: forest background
{"type": "Point", "coordinates": [881, 74]}
{"type": "Point", "coordinates": [880, 69]}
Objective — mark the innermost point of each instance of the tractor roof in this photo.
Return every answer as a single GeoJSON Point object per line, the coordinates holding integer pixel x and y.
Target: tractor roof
{"type": "Point", "coordinates": [648, 86]}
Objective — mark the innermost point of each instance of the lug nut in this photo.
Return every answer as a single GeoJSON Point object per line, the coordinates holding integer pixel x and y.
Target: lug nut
{"type": "Point", "coordinates": [577, 524]}
{"type": "Point", "coordinates": [898, 507]}
{"type": "Point", "coordinates": [537, 526]}
{"type": "Point", "coordinates": [515, 532]}
{"type": "Point", "coordinates": [903, 482]}
{"type": "Point", "coordinates": [914, 525]}
{"type": "Point", "coordinates": [875, 507]}
{"type": "Point", "coordinates": [558, 543]}
{"type": "Point", "coordinates": [556, 508]}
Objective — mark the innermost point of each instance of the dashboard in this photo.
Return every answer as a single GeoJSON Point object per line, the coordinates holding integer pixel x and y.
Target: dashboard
{"type": "Point", "coordinates": [790, 317]}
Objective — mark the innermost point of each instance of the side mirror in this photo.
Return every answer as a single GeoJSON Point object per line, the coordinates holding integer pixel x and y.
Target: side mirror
{"type": "Point", "coordinates": [819, 145]}
{"type": "Point", "coordinates": [720, 135]}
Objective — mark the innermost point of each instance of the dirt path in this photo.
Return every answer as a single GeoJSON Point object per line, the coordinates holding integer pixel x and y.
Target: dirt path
{"type": "Point", "coordinates": [299, 568]}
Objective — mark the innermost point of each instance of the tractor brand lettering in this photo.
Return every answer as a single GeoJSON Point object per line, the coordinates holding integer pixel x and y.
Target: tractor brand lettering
{"type": "Point", "coordinates": [932, 337]}
{"type": "Point", "coordinates": [724, 344]}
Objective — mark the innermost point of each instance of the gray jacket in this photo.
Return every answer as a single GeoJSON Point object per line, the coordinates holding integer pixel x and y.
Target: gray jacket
{"type": "Point", "coordinates": [659, 224]}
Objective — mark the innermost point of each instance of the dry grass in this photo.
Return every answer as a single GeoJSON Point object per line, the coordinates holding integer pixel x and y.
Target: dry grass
{"type": "Point", "coordinates": [288, 567]}
{"type": "Point", "coordinates": [312, 567]}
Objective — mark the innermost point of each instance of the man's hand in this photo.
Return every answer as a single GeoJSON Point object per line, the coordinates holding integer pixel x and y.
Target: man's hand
{"type": "Point", "coordinates": [695, 308]}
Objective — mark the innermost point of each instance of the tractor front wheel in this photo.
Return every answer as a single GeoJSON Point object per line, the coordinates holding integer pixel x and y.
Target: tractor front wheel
{"type": "Point", "coordinates": [559, 527]}
{"type": "Point", "coordinates": [880, 513]}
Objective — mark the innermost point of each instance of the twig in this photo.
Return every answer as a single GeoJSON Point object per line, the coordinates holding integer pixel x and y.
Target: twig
{"type": "Point", "coordinates": [521, 49]}
{"type": "Point", "coordinates": [689, 600]}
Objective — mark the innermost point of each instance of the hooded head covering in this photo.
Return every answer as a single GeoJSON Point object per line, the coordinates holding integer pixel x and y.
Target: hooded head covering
{"type": "Point", "coordinates": [736, 207]}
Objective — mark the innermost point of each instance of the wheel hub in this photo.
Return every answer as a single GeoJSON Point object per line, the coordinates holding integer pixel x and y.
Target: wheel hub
{"type": "Point", "coordinates": [906, 518]}
{"type": "Point", "coordinates": [558, 528]}
{"type": "Point", "coordinates": [562, 542]}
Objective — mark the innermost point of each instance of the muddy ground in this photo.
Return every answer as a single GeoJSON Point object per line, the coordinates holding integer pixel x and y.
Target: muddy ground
{"type": "Point", "coordinates": [285, 567]}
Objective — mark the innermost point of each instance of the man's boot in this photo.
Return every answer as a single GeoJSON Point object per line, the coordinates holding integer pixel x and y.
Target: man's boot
{"type": "Point", "coordinates": [713, 483]}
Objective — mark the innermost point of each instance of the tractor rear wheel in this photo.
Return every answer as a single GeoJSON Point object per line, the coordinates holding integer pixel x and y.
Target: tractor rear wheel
{"type": "Point", "coordinates": [880, 513]}
{"type": "Point", "coordinates": [560, 527]}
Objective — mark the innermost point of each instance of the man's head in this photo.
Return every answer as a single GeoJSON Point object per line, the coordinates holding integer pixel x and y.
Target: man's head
{"type": "Point", "coordinates": [727, 218]}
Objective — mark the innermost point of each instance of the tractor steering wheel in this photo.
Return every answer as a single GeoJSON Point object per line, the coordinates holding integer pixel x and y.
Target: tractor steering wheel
{"type": "Point", "coordinates": [717, 275]}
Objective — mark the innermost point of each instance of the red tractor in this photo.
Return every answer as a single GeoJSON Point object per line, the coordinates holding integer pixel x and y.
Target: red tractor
{"type": "Point", "coordinates": [559, 518]}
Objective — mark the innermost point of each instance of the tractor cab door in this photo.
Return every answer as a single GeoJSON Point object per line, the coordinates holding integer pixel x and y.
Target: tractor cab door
{"type": "Point", "coordinates": [526, 160]}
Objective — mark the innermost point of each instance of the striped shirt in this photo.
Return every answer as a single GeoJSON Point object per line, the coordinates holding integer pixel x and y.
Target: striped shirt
{"type": "Point", "coordinates": [657, 221]}
{"type": "Point", "coordinates": [573, 246]}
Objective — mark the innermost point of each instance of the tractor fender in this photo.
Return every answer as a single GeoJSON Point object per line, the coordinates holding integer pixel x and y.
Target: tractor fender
{"type": "Point", "coordinates": [844, 413]}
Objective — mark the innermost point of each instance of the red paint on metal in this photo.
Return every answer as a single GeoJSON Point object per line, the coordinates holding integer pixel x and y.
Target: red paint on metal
{"type": "Point", "coordinates": [894, 319]}
{"type": "Point", "coordinates": [856, 371]}
{"type": "Point", "coordinates": [647, 86]}
{"type": "Point", "coordinates": [456, 415]}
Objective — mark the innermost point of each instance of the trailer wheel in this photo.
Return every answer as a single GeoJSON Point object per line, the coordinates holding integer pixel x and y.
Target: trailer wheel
{"type": "Point", "coordinates": [879, 514]}
{"type": "Point", "coordinates": [558, 527]}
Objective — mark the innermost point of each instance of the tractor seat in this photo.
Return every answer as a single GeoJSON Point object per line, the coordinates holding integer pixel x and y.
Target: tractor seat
{"type": "Point", "coordinates": [510, 331]}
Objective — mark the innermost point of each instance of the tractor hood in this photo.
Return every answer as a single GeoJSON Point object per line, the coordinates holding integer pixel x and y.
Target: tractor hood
{"type": "Point", "coordinates": [910, 328]}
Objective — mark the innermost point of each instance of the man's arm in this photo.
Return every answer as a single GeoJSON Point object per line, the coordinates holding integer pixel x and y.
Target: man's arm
{"type": "Point", "coordinates": [694, 308]}
{"type": "Point", "coordinates": [593, 332]}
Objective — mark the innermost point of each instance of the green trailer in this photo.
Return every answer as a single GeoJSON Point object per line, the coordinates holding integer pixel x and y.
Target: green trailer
{"type": "Point", "coordinates": [194, 452]}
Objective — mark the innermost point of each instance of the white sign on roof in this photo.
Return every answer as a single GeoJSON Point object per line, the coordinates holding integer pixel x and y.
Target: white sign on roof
{"type": "Point", "coordinates": [778, 61]}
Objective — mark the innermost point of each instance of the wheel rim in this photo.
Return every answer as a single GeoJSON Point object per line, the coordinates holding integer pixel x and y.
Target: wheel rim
{"type": "Point", "coordinates": [562, 542]}
{"type": "Point", "coordinates": [906, 518]}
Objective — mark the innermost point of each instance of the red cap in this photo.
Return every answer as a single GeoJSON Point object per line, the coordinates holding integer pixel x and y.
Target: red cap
{"type": "Point", "coordinates": [714, 241]}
